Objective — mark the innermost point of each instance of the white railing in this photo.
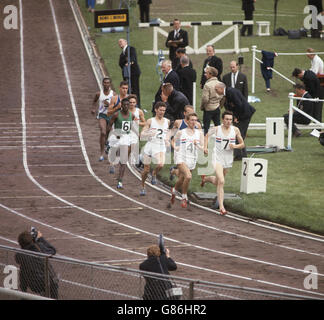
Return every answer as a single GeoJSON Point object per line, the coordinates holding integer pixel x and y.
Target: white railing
{"type": "Point", "coordinates": [292, 108]}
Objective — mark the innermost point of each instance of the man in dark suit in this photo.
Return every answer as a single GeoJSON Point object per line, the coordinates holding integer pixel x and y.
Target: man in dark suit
{"type": "Point", "coordinates": [135, 71]}
{"type": "Point", "coordinates": [242, 111]}
{"type": "Point", "coordinates": [176, 101]}
{"type": "Point", "coordinates": [177, 38]}
{"type": "Point", "coordinates": [180, 53]}
{"type": "Point", "coordinates": [144, 10]}
{"type": "Point", "coordinates": [304, 105]}
{"type": "Point", "coordinates": [312, 85]}
{"type": "Point", "coordinates": [187, 77]}
{"type": "Point", "coordinates": [236, 79]}
{"type": "Point", "coordinates": [211, 61]}
{"type": "Point", "coordinates": [248, 8]}
{"type": "Point", "coordinates": [170, 76]}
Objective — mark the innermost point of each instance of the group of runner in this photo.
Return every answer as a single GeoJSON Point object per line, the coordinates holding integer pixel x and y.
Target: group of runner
{"type": "Point", "coordinates": [120, 121]}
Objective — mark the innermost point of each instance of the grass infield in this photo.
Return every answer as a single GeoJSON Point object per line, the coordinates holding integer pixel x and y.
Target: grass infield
{"type": "Point", "coordinates": [295, 188]}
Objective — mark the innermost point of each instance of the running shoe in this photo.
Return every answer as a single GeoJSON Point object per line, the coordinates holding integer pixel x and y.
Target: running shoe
{"type": "Point", "coordinates": [143, 192]}
{"type": "Point", "coordinates": [153, 181]}
{"type": "Point", "coordinates": [172, 195]}
{"type": "Point", "coordinates": [222, 212]}
{"type": "Point", "coordinates": [101, 158]}
{"type": "Point", "coordinates": [112, 170]}
{"type": "Point", "coordinates": [202, 183]}
{"type": "Point", "coordinates": [184, 203]}
{"type": "Point", "coordinates": [171, 175]}
{"type": "Point", "coordinates": [119, 185]}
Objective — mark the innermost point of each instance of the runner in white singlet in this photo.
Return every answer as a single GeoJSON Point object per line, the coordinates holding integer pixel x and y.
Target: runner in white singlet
{"type": "Point", "coordinates": [186, 144]}
{"type": "Point", "coordinates": [225, 137]}
{"type": "Point", "coordinates": [100, 104]}
{"type": "Point", "coordinates": [156, 131]}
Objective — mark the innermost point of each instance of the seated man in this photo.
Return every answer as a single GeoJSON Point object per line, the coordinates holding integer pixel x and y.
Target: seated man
{"type": "Point", "coordinates": [304, 105]}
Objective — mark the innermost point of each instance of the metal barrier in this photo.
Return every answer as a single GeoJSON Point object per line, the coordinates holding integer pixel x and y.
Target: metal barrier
{"type": "Point", "coordinates": [84, 280]}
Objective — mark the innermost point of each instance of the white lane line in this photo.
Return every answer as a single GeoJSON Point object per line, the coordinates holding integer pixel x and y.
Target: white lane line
{"type": "Point", "coordinates": [70, 234]}
{"type": "Point", "coordinates": [57, 165]}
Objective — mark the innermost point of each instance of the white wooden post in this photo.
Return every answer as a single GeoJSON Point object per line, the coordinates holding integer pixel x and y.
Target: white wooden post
{"type": "Point", "coordinates": [253, 68]}
{"type": "Point", "coordinates": [155, 39]}
{"type": "Point", "coordinates": [275, 132]}
{"type": "Point", "coordinates": [196, 48]}
{"type": "Point", "coordinates": [291, 104]}
{"type": "Point", "coordinates": [194, 96]}
{"type": "Point", "coordinates": [236, 39]}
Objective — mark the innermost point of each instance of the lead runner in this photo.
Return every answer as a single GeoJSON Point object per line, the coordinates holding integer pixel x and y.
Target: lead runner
{"type": "Point", "coordinates": [222, 157]}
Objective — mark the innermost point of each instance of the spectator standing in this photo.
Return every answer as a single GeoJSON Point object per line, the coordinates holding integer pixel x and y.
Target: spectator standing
{"type": "Point", "coordinates": [267, 63]}
{"type": "Point", "coordinates": [242, 111]}
{"type": "Point", "coordinates": [134, 67]}
{"type": "Point", "coordinates": [176, 101]}
{"type": "Point", "coordinates": [170, 76]}
{"type": "Point", "coordinates": [210, 100]}
{"type": "Point", "coordinates": [91, 5]}
{"type": "Point", "coordinates": [144, 6]}
{"type": "Point", "coordinates": [304, 105]}
{"type": "Point", "coordinates": [177, 38]}
{"type": "Point", "coordinates": [317, 65]}
{"type": "Point", "coordinates": [211, 61]}
{"type": "Point", "coordinates": [236, 79]}
{"type": "Point", "coordinates": [312, 85]}
{"type": "Point", "coordinates": [32, 268]}
{"type": "Point", "coordinates": [160, 263]}
{"type": "Point", "coordinates": [187, 76]}
{"type": "Point", "coordinates": [248, 8]}
{"type": "Point", "coordinates": [180, 53]}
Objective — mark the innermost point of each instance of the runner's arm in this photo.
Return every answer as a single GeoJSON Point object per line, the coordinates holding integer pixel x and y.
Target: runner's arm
{"type": "Point", "coordinates": [95, 103]}
{"type": "Point", "coordinates": [240, 140]}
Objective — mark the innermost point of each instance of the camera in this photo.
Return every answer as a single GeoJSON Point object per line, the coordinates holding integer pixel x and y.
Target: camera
{"type": "Point", "coordinates": [34, 233]}
{"type": "Point", "coordinates": [161, 244]}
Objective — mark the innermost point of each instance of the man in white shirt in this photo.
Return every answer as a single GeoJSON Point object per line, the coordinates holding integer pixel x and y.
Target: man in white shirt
{"type": "Point", "coordinates": [317, 63]}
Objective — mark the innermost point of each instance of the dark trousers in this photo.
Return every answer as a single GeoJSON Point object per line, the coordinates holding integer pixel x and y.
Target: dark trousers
{"type": "Point", "coordinates": [145, 12]}
{"type": "Point", "coordinates": [297, 118]}
{"type": "Point", "coordinates": [318, 106]}
{"type": "Point", "coordinates": [208, 117]}
{"type": "Point", "coordinates": [248, 15]}
{"type": "Point", "coordinates": [243, 125]}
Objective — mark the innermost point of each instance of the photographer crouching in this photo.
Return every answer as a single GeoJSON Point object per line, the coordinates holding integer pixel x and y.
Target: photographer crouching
{"type": "Point", "coordinates": [32, 272]}
{"type": "Point", "coordinates": [158, 261]}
